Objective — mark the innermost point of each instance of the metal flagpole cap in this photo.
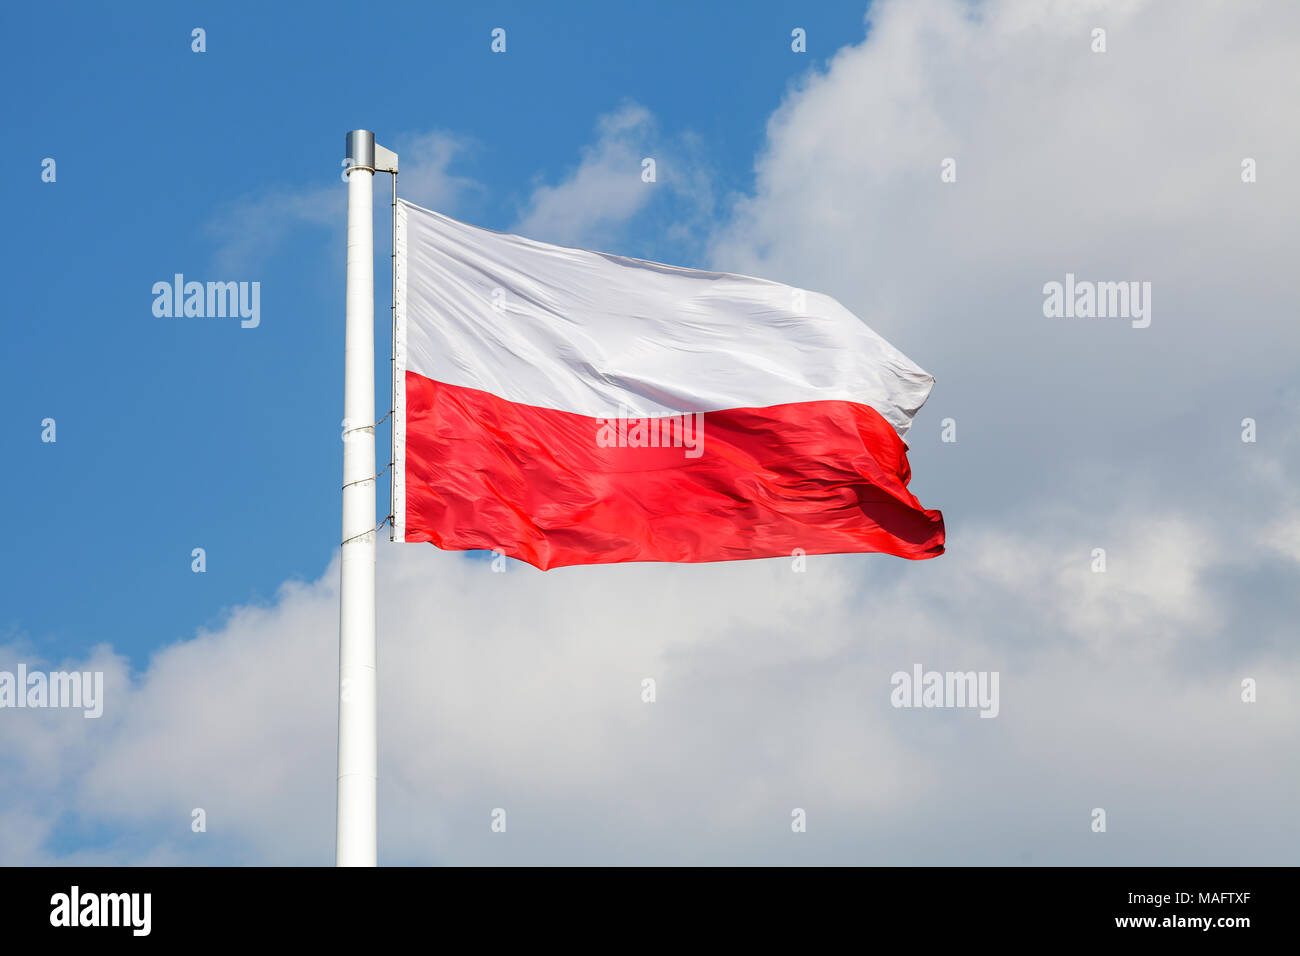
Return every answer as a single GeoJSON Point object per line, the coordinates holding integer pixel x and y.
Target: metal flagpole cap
{"type": "Point", "coordinates": [361, 148]}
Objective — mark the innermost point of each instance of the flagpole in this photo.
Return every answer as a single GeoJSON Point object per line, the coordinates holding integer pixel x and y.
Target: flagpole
{"type": "Point", "coordinates": [357, 822]}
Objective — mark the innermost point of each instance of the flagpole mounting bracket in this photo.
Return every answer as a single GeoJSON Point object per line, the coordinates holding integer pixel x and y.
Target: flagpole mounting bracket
{"type": "Point", "coordinates": [364, 153]}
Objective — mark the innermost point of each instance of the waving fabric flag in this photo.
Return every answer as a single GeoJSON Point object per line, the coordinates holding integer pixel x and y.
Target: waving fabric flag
{"type": "Point", "coordinates": [569, 407]}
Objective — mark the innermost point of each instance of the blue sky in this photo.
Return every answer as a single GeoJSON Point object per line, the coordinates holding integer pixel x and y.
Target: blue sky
{"type": "Point", "coordinates": [1121, 688]}
{"type": "Point", "coordinates": [176, 434]}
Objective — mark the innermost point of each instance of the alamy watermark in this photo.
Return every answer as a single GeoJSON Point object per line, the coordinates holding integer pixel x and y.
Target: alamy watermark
{"type": "Point", "coordinates": [1084, 299]}
{"type": "Point", "coordinates": [922, 688]}
{"type": "Point", "coordinates": [211, 300]}
{"type": "Point", "coordinates": [669, 431]}
{"type": "Point", "coordinates": [36, 689]}
{"type": "Point", "coordinates": [129, 910]}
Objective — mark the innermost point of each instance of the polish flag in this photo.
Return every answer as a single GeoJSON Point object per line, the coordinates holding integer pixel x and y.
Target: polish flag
{"type": "Point", "coordinates": [569, 407]}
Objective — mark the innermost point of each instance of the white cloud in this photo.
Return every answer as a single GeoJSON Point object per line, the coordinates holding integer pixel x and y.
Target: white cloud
{"type": "Point", "coordinates": [593, 204]}
{"type": "Point", "coordinates": [522, 690]}
{"type": "Point", "coordinates": [1123, 165]}
{"type": "Point", "coordinates": [604, 189]}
